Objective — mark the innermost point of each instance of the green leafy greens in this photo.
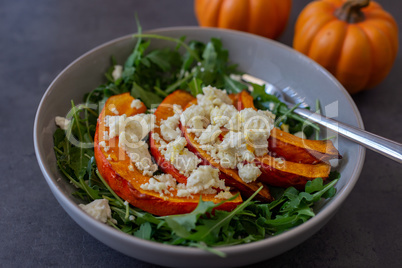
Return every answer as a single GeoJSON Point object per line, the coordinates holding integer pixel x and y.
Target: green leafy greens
{"type": "Point", "coordinates": [151, 76]}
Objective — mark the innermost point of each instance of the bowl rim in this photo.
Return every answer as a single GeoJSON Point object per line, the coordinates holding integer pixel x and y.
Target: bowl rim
{"type": "Point", "coordinates": [308, 225]}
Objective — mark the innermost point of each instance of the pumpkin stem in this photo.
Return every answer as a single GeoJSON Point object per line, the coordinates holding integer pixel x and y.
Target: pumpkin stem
{"type": "Point", "coordinates": [351, 12]}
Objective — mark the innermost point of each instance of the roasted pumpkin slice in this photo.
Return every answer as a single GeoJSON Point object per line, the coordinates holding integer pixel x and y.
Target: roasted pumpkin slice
{"type": "Point", "coordinates": [296, 149]}
{"type": "Point", "coordinates": [113, 165]}
{"type": "Point", "coordinates": [291, 147]}
{"type": "Point", "coordinates": [282, 173]}
{"type": "Point", "coordinates": [164, 111]}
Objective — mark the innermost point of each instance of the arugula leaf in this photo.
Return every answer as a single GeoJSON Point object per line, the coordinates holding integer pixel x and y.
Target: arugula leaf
{"type": "Point", "coordinates": [144, 232]}
{"type": "Point", "coordinates": [148, 98]}
{"type": "Point", "coordinates": [195, 86]}
{"type": "Point", "coordinates": [182, 224]}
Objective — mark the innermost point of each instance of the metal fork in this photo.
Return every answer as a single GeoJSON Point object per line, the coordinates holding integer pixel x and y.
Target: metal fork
{"type": "Point", "coordinates": [386, 147]}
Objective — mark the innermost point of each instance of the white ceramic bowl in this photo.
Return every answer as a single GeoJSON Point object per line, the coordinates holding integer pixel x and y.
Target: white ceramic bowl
{"type": "Point", "coordinates": [263, 58]}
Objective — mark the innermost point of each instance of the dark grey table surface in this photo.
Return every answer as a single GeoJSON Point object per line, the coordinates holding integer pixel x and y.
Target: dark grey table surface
{"type": "Point", "coordinates": [40, 38]}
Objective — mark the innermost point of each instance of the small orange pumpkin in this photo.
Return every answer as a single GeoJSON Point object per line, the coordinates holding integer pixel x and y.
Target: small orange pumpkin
{"type": "Point", "coordinates": [356, 40]}
{"type": "Point", "coordinates": [267, 18]}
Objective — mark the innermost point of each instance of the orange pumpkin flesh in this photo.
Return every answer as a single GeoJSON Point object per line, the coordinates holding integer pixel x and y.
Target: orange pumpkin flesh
{"type": "Point", "coordinates": [286, 173]}
{"type": "Point", "coordinates": [267, 18]}
{"type": "Point", "coordinates": [126, 183]}
{"type": "Point", "coordinates": [295, 149]}
{"type": "Point", "coordinates": [357, 44]}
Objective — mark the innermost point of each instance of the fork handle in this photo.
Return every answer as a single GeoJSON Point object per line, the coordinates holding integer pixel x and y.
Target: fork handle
{"type": "Point", "coordinates": [386, 147]}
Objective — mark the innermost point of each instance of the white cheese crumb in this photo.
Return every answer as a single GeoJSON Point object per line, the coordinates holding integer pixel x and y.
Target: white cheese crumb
{"type": "Point", "coordinates": [249, 172]}
{"type": "Point", "coordinates": [132, 131]}
{"type": "Point", "coordinates": [203, 180]}
{"type": "Point", "coordinates": [117, 72]}
{"type": "Point", "coordinates": [170, 127]}
{"type": "Point", "coordinates": [106, 135]}
{"type": "Point", "coordinates": [181, 158]}
{"type": "Point", "coordinates": [224, 195]}
{"type": "Point", "coordinates": [195, 118]}
{"type": "Point", "coordinates": [113, 109]}
{"type": "Point", "coordinates": [105, 147]}
{"type": "Point", "coordinates": [99, 209]}
{"type": "Point", "coordinates": [62, 122]}
{"type": "Point", "coordinates": [137, 104]}
{"type": "Point", "coordinates": [279, 160]}
{"type": "Point", "coordinates": [160, 184]}
{"type": "Point", "coordinates": [209, 135]}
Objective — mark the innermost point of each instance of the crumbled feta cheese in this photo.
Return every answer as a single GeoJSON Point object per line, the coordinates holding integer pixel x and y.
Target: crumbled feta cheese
{"type": "Point", "coordinates": [138, 126]}
{"type": "Point", "coordinates": [220, 116]}
{"type": "Point", "coordinates": [113, 109]}
{"type": "Point", "coordinates": [157, 138]}
{"type": "Point", "coordinates": [131, 167]}
{"type": "Point", "coordinates": [99, 209]}
{"type": "Point", "coordinates": [249, 172]}
{"type": "Point", "coordinates": [105, 147]}
{"type": "Point", "coordinates": [212, 97]}
{"type": "Point", "coordinates": [279, 160]}
{"type": "Point", "coordinates": [131, 131]}
{"type": "Point", "coordinates": [209, 135]}
{"type": "Point", "coordinates": [160, 184]}
{"type": "Point", "coordinates": [62, 122]}
{"type": "Point", "coordinates": [224, 195]}
{"type": "Point", "coordinates": [234, 149]}
{"type": "Point", "coordinates": [203, 180]}
{"type": "Point", "coordinates": [117, 72]}
{"type": "Point", "coordinates": [195, 118]}
{"type": "Point", "coordinates": [257, 128]}
{"type": "Point", "coordinates": [142, 158]}
{"type": "Point", "coordinates": [137, 104]}
{"type": "Point", "coordinates": [181, 158]}
{"type": "Point", "coordinates": [106, 135]}
{"type": "Point", "coordinates": [170, 127]}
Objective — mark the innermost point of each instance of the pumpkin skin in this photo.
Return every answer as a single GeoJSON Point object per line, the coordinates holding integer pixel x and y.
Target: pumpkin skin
{"type": "Point", "coordinates": [359, 52]}
{"type": "Point", "coordinates": [267, 18]}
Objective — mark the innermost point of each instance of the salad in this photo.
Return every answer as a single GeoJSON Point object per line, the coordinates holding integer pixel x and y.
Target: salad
{"type": "Point", "coordinates": [183, 154]}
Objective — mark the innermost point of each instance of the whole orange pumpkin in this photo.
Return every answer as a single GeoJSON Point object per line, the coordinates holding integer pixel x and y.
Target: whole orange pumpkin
{"type": "Point", "coordinates": [356, 40]}
{"type": "Point", "coordinates": [263, 17]}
